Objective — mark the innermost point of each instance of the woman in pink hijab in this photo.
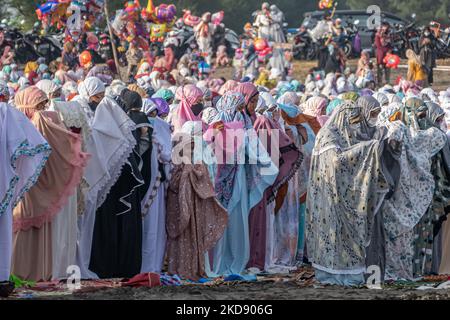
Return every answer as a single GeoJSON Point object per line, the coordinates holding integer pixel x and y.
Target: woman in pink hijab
{"type": "Point", "coordinates": [251, 96]}
{"type": "Point", "coordinates": [230, 85]}
{"type": "Point", "coordinates": [190, 107]}
{"type": "Point", "coordinates": [34, 217]}
{"type": "Point", "coordinates": [316, 107]}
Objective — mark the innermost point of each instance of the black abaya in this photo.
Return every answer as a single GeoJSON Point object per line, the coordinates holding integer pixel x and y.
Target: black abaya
{"type": "Point", "coordinates": [117, 239]}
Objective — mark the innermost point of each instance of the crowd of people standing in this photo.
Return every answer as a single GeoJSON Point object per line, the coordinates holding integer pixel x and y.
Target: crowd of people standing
{"type": "Point", "coordinates": [180, 172]}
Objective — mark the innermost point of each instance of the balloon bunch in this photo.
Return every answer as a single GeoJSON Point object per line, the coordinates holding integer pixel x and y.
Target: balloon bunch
{"type": "Point", "coordinates": [391, 61]}
{"type": "Point", "coordinates": [76, 16]}
{"type": "Point", "coordinates": [129, 26]}
{"type": "Point", "coordinates": [190, 20]}
{"type": "Point", "coordinates": [161, 19]}
{"type": "Point", "coordinates": [52, 13]}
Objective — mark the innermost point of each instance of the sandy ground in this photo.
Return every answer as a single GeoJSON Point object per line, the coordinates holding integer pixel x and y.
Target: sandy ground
{"type": "Point", "coordinates": [299, 285]}
{"type": "Point", "coordinates": [251, 291]}
{"type": "Point", "coordinates": [260, 291]}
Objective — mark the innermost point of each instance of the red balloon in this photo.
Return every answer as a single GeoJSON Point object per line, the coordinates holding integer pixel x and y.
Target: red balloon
{"type": "Point", "coordinates": [260, 44]}
{"type": "Point", "coordinates": [266, 51]}
{"type": "Point", "coordinates": [392, 61]}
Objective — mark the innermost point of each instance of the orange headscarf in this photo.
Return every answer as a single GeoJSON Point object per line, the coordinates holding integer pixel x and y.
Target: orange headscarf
{"type": "Point", "coordinates": [302, 118]}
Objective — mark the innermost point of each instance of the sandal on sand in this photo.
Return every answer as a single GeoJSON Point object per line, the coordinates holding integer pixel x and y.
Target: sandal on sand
{"type": "Point", "coordinates": [6, 288]}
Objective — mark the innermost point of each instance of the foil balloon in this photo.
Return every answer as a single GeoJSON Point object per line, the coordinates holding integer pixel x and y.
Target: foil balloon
{"type": "Point", "coordinates": [217, 18]}
{"type": "Point", "coordinates": [204, 68]}
{"type": "Point", "coordinates": [132, 10]}
{"type": "Point", "coordinates": [85, 58]}
{"type": "Point", "coordinates": [260, 44]}
{"type": "Point", "coordinates": [47, 7]}
{"type": "Point", "coordinates": [166, 13]}
{"type": "Point", "coordinates": [158, 32]}
{"type": "Point", "coordinates": [190, 19]}
{"type": "Point", "coordinates": [325, 4]}
{"type": "Point", "coordinates": [391, 61]}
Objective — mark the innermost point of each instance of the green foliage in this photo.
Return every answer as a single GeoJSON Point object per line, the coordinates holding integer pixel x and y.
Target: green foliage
{"type": "Point", "coordinates": [21, 9]}
{"type": "Point", "coordinates": [238, 12]}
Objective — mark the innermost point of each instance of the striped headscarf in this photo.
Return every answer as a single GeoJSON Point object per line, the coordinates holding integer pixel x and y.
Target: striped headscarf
{"type": "Point", "coordinates": [227, 106]}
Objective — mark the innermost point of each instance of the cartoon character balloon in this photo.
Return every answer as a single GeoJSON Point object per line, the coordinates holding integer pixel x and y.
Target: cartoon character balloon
{"type": "Point", "coordinates": [217, 18]}
{"type": "Point", "coordinates": [166, 13]}
{"type": "Point", "coordinates": [158, 32]}
{"type": "Point", "coordinates": [85, 58]}
{"type": "Point", "coordinates": [189, 19]}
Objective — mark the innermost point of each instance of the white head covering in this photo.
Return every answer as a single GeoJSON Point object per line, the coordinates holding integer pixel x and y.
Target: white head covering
{"type": "Point", "coordinates": [173, 89]}
{"type": "Point", "coordinates": [275, 73]}
{"type": "Point", "coordinates": [320, 84]}
{"type": "Point", "coordinates": [310, 87]}
{"type": "Point", "coordinates": [144, 82]}
{"type": "Point", "coordinates": [112, 143]}
{"type": "Point", "coordinates": [90, 87]}
{"type": "Point", "coordinates": [148, 106]}
{"type": "Point", "coordinates": [393, 98]}
{"type": "Point", "coordinates": [429, 94]}
{"type": "Point", "coordinates": [4, 76]}
{"type": "Point", "coordinates": [69, 87]}
{"type": "Point", "coordinates": [23, 82]}
{"type": "Point", "coordinates": [341, 85]}
{"type": "Point", "coordinates": [48, 86]}
{"type": "Point", "coordinates": [115, 89]}
{"type": "Point", "coordinates": [269, 100]}
{"type": "Point", "coordinates": [209, 114]}
{"type": "Point", "coordinates": [381, 98]}
{"type": "Point", "coordinates": [21, 144]}
{"type": "Point", "coordinates": [184, 72]}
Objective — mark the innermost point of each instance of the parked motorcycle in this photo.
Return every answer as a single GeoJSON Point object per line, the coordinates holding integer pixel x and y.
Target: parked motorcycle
{"type": "Point", "coordinates": [24, 50]}
{"type": "Point", "coordinates": [304, 46]}
{"type": "Point", "coordinates": [351, 40]}
{"type": "Point", "coordinates": [31, 45]}
{"type": "Point", "coordinates": [406, 37]}
{"type": "Point", "coordinates": [441, 40]}
{"type": "Point", "coordinates": [45, 46]}
{"type": "Point", "coordinates": [182, 37]}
